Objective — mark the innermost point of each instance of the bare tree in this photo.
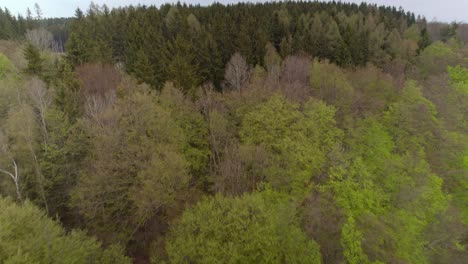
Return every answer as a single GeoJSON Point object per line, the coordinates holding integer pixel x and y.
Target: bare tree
{"type": "Point", "coordinates": [206, 100]}
{"type": "Point", "coordinates": [397, 69]}
{"type": "Point", "coordinates": [96, 105]}
{"type": "Point", "coordinates": [42, 39]}
{"type": "Point", "coordinates": [22, 135]}
{"type": "Point", "coordinates": [294, 78]}
{"type": "Point", "coordinates": [41, 101]}
{"type": "Point", "coordinates": [237, 72]}
{"type": "Point", "coordinates": [231, 169]}
{"type": "Point", "coordinates": [295, 69]}
{"type": "Point", "coordinates": [220, 137]}
{"type": "Point", "coordinates": [323, 222]}
{"type": "Point", "coordinates": [210, 100]}
{"type": "Point", "coordinates": [98, 90]}
{"type": "Point", "coordinates": [98, 79]}
{"type": "Point", "coordinates": [13, 175]}
{"type": "Point", "coordinates": [241, 169]}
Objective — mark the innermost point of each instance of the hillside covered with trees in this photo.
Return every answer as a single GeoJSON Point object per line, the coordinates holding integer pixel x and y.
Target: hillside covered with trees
{"type": "Point", "coordinates": [282, 132]}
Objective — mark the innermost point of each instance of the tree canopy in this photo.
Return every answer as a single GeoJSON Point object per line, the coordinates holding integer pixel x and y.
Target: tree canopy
{"type": "Point", "coordinates": [27, 235]}
{"type": "Point", "coordinates": [280, 132]}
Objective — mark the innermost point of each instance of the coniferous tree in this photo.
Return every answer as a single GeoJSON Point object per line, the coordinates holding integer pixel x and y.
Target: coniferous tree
{"type": "Point", "coordinates": [35, 61]}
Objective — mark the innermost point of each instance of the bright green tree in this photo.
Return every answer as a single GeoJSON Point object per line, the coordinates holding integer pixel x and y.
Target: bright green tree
{"type": "Point", "coordinates": [254, 228]}
{"type": "Point", "coordinates": [299, 141]}
{"type": "Point", "coordinates": [390, 200]}
{"type": "Point", "coordinates": [6, 67]}
{"type": "Point", "coordinates": [27, 235]}
{"type": "Point", "coordinates": [459, 78]}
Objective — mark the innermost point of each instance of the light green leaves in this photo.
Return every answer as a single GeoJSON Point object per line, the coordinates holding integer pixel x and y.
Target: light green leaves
{"type": "Point", "coordinates": [298, 140]}
{"type": "Point", "coordinates": [459, 78]}
{"type": "Point", "coordinates": [254, 228]}
{"type": "Point", "coordinates": [6, 67]}
{"type": "Point", "coordinates": [28, 236]}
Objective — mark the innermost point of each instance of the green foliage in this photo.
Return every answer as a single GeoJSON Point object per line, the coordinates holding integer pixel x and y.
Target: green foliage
{"type": "Point", "coordinates": [183, 67]}
{"type": "Point", "coordinates": [85, 45]}
{"type": "Point", "coordinates": [272, 59]}
{"type": "Point", "coordinates": [117, 194]}
{"type": "Point", "coordinates": [351, 242]}
{"type": "Point", "coordinates": [330, 84]}
{"type": "Point", "coordinates": [67, 91]}
{"type": "Point", "coordinates": [394, 43]}
{"type": "Point", "coordinates": [28, 236]}
{"type": "Point", "coordinates": [11, 27]}
{"type": "Point", "coordinates": [459, 77]}
{"type": "Point", "coordinates": [413, 33]}
{"type": "Point", "coordinates": [370, 141]}
{"type": "Point", "coordinates": [23, 136]}
{"type": "Point", "coordinates": [196, 147]}
{"type": "Point", "coordinates": [8, 95]}
{"type": "Point", "coordinates": [150, 193]}
{"type": "Point", "coordinates": [373, 186]}
{"type": "Point", "coordinates": [425, 39]}
{"type": "Point", "coordinates": [35, 61]}
{"type": "Point", "coordinates": [142, 69]}
{"type": "Point", "coordinates": [298, 141]}
{"type": "Point", "coordinates": [435, 58]}
{"type": "Point", "coordinates": [6, 68]}
{"type": "Point", "coordinates": [254, 228]}
{"type": "Point", "coordinates": [357, 191]}
{"type": "Point", "coordinates": [438, 49]}
{"type": "Point", "coordinates": [60, 162]}
{"type": "Point", "coordinates": [373, 166]}
{"type": "Point", "coordinates": [413, 120]}
{"type": "Point", "coordinates": [190, 45]}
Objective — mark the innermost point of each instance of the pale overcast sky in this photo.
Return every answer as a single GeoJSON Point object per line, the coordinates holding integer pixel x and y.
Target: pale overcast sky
{"type": "Point", "coordinates": [447, 10]}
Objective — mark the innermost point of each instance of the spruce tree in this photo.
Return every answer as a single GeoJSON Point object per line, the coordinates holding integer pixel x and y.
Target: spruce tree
{"type": "Point", "coordinates": [35, 61]}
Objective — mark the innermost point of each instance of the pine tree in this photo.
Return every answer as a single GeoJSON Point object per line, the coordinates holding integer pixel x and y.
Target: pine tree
{"type": "Point", "coordinates": [67, 89]}
{"type": "Point", "coordinates": [142, 68]}
{"type": "Point", "coordinates": [35, 61]}
{"type": "Point", "coordinates": [425, 40]}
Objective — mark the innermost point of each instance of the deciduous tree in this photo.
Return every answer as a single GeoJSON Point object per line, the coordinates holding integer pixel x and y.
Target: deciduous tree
{"type": "Point", "coordinates": [237, 73]}
{"type": "Point", "coordinates": [252, 228]}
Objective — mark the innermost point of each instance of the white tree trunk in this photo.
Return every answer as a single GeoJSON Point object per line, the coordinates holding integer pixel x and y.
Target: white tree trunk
{"type": "Point", "coordinates": [15, 178]}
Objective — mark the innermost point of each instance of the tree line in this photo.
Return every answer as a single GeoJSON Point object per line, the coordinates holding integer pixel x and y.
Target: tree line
{"type": "Point", "coordinates": [191, 44]}
{"type": "Point", "coordinates": [19, 27]}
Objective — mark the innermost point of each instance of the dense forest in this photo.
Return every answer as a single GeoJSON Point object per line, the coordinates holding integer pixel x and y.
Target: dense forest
{"type": "Point", "coordinates": [282, 132]}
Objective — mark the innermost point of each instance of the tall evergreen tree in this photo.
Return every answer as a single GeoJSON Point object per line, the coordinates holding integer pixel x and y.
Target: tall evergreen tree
{"type": "Point", "coordinates": [35, 61]}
